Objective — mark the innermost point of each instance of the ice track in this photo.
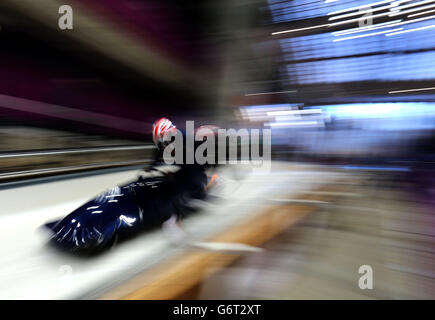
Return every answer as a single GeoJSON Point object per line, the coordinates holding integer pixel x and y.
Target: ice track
{"type": "Point", "coordinates": [29, 269]}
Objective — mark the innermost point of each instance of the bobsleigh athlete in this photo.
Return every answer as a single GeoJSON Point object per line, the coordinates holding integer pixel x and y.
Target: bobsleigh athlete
{"type": "Point", "coordinates": [194, 173]}
{"type": "Point", "coordinates": [150, 201]}
{"type": "Point", "coordinates": [190, 177]}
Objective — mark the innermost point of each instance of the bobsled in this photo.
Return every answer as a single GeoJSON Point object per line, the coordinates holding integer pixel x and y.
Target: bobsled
{"type": "Point", "coordinates": [128, 209]}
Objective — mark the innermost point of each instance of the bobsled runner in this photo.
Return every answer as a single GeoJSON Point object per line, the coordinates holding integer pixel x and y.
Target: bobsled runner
{"type": "Point", "coordinates": [127, 209]}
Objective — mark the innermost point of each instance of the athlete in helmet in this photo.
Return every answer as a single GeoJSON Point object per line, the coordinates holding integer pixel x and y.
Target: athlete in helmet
{"type": "Point", "coordinates": [160, 128]}
{"type": "Point", "coordinates": [191, 177]}
{"type": "Point", "coordinates": [188, 177]}
{"type": "Point", "coordinates": [164, 126]}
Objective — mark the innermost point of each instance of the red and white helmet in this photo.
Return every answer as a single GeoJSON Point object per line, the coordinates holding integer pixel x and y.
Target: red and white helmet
{"type": "Point", "coordinates": [160, 128]}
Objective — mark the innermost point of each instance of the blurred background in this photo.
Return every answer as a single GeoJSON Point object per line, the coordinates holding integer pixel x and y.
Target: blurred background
{"type": "Point", "coordinates": [347, 88]}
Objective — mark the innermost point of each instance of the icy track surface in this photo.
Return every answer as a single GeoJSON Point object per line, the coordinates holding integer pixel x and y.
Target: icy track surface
{"type": "Point", "coordinates": [29, 269]}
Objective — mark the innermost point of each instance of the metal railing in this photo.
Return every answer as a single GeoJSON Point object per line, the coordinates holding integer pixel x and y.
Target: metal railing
{"type": "Point", "coordinates": [31, 170]}
{"type": "Point", "coordinates": [73, 150]}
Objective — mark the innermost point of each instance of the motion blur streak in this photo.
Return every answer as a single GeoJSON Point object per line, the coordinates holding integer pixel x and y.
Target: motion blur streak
{"type": "Point", "coordinates": [346, 88]}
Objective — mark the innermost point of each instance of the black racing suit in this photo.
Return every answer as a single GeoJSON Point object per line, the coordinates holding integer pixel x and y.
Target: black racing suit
{"type": "Point", "coordinates": [188, 182]}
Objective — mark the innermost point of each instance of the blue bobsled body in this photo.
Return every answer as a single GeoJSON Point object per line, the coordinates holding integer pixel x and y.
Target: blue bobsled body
{"type": "Point", "coordinates": [124, 210]}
